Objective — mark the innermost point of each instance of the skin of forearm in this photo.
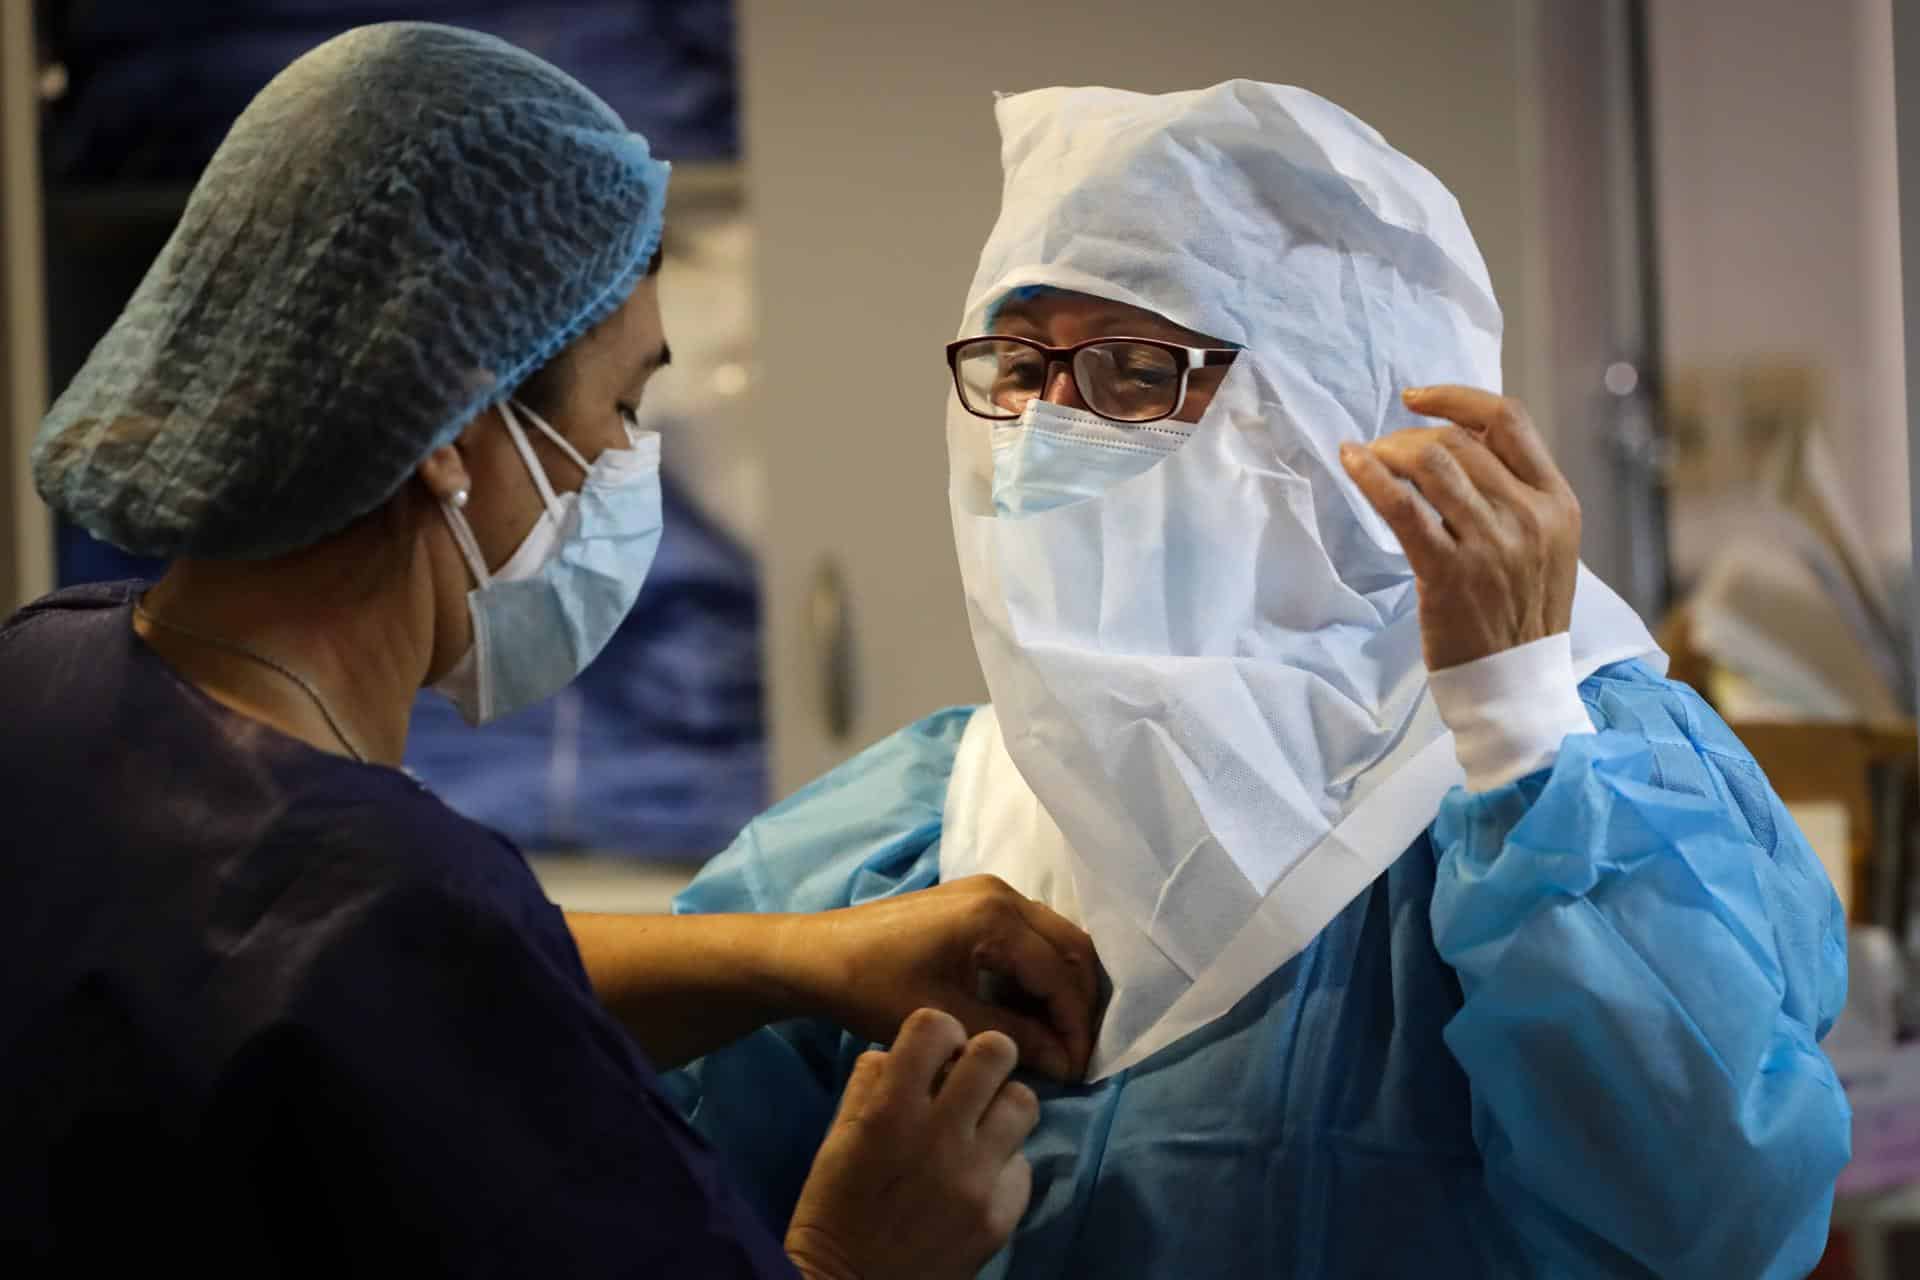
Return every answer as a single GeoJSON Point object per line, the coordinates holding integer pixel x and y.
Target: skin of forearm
{"type": "Point", "coordinates": [684, 986]}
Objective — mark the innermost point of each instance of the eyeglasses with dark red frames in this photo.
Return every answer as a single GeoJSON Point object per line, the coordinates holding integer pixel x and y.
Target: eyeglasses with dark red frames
{"type": "Point", "coordinates": [1082, 361]}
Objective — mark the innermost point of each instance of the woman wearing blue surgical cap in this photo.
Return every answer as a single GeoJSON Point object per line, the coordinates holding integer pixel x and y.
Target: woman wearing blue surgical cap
{"type": "Point", "coordinates": [1446, 937]}
{"type": "Point", "coordinates": [270, 1008]}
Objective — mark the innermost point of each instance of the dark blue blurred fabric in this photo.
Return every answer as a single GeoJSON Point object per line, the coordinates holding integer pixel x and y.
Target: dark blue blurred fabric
{"type": "Point", "coordinates": [152, 87]}
{"type": "Point", "coordinates": [81, 557]}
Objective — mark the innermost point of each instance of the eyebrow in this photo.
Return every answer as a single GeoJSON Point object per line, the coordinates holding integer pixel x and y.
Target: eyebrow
{"type": "Point", "coordinates": [1014, 311]}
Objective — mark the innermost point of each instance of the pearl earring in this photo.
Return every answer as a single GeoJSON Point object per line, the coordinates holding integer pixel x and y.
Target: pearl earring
{"type": "Point", "coordinates": [459, 499]}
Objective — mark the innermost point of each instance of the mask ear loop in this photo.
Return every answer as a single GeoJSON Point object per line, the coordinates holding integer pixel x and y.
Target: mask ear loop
{"type": "Point", "coordinates": [477, 566]}
{"type": "Point", "coordinates": [457, 519]}
{"type": "Point", "coordinates": [630, 423]}
{"type": "Point", "coordinates": [559, 442]}
{"type": "Point", "coordinates": [531, 460]}
{"type": "Point", "coordinates": [468, 544]}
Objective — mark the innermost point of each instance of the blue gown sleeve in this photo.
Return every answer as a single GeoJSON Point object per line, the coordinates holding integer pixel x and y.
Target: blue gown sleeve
{"type": "Point", "coordinates": [868, 830]}
{"type": "Point", "coordinates": [1648, 953]}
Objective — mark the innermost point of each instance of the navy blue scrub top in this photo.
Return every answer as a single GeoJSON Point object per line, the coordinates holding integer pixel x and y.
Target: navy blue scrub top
{"type": "Point", "coordinates": [265, 1010]}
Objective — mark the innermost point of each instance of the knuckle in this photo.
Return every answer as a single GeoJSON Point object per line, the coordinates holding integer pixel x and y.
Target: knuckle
{"type": "Point", "coordinates": [1021, 1103]}
{"type": "Point", "coordinates": [1434, 458]}
{"type": "Point", "coordinates": [866, 1091]}
{"type": "Point", "coordinates": [994, 1049]}
{"type": "Point", "coordinates": [1509, 414]}
{"type": "Point", "coordinates": [994, 902]}
{"type": "Point", "coordinates": [981, 885]}
{"type": "Point", "coordinates": [930, 1024]}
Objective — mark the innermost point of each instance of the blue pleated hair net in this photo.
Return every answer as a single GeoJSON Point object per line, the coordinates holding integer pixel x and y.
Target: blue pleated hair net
{"type": "Point", "coordinates": [404, 225]}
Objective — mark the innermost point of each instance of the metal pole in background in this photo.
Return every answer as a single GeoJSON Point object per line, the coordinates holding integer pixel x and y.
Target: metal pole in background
{"type": "Point", "coordinates": [1639, 435]}
{"type": "Point", "coordinates": [1906, 108]}
{"type": "Point", "coordinates": [26, 537]}
{"type": "Point", "coordinates": [1596, 266]}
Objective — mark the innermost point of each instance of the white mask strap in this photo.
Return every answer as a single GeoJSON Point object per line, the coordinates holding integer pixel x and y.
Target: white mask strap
{"type": "Point", "coordinates": [518, 435]}
{"type": "Point", "coordinates": [468, 544]}
{"type": "Point", "coordinates": [630, 423]}
{"type": "Point", "coordinates": [559, 441]}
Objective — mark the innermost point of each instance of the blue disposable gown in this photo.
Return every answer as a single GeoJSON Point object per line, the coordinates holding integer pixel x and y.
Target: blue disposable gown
{"type": "Point", "coordinates": [1571, 1032]}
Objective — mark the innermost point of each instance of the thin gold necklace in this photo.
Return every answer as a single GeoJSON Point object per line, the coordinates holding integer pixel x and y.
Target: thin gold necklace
{"type": "Point", "coordinates": [247, 651]}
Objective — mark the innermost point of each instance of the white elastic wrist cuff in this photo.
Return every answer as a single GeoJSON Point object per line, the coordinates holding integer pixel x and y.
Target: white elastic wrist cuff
{"type": "Point", "coordinates": [1510, 712]}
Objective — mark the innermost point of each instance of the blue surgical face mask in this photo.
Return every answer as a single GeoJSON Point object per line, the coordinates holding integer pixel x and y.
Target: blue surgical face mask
{"type": "Point", "coordinates": [1054, 455]}
{"type": "Point", "coordinates": [549, 610]}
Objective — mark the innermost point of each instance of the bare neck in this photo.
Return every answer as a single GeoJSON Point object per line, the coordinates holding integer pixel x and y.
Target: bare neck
{"type": "Point", "coordinates": [351, 619]}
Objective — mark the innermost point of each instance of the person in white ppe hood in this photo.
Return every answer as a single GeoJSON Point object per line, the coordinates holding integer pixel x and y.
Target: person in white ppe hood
{"type": "Point", "coordinates": [1445, 936]}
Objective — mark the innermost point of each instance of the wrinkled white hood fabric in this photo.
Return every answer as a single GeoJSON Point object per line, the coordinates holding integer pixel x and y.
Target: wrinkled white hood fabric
{"type": "Point", "coordinates": [1208, 676]}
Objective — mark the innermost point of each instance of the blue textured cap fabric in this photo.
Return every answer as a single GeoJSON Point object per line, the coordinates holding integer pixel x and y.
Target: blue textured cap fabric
{"type": "Point", "coordinates": [402, 226]}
